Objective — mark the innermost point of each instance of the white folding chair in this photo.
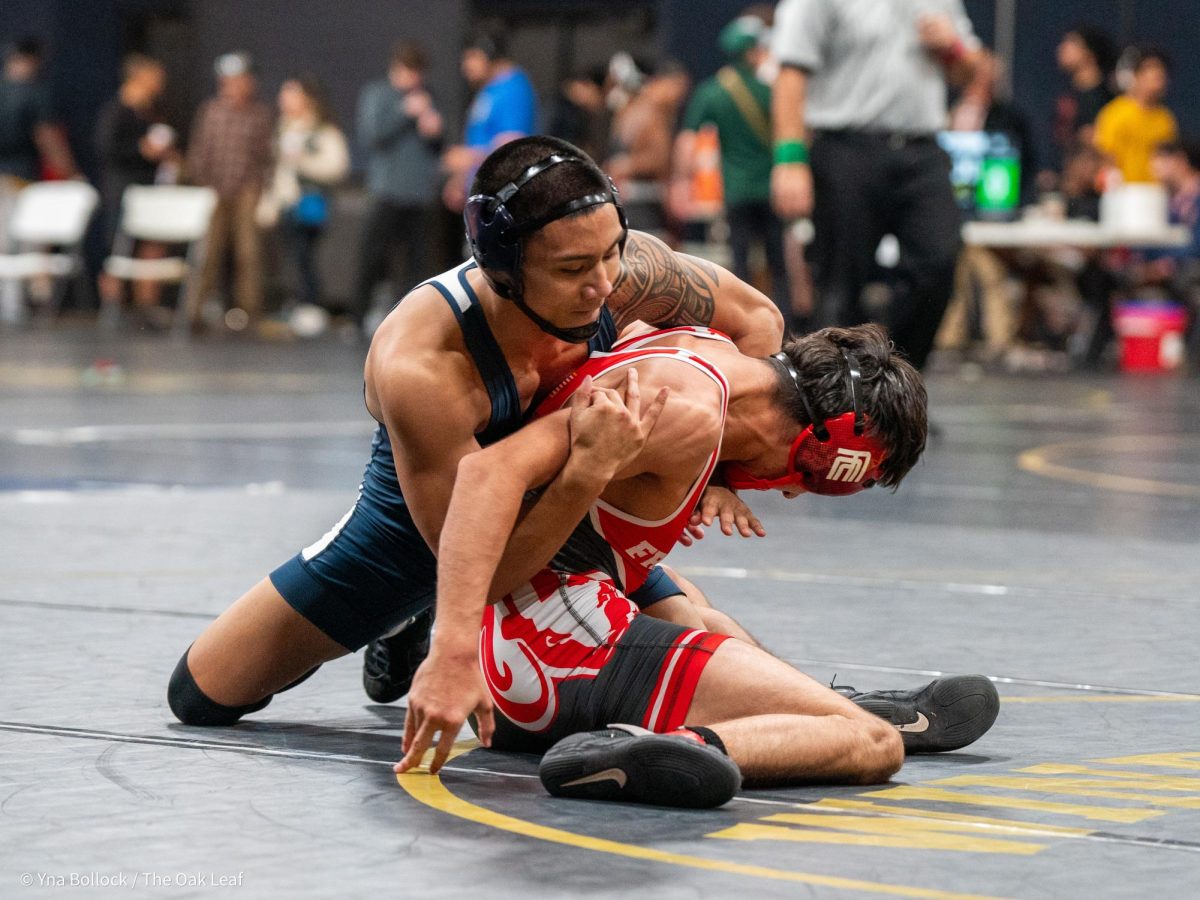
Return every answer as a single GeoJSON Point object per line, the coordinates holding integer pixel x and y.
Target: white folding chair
{"type": "Point", "coordinates": [167, 214]}
{"type": "Point", "coordinates": [45, 233]}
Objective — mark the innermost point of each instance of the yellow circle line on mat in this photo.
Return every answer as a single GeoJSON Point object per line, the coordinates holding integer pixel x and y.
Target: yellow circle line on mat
{"type": "Point", "coordinates": [430, 790]}
{"type": "Point", "coordinates": [1040, 461]}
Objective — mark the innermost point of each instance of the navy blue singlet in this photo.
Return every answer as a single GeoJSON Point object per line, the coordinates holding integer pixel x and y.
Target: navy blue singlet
{"type": "Point", "coordinates": [373, 569]}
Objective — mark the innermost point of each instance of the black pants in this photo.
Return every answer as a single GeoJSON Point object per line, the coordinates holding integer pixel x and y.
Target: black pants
{"type": "Point", "coordinates": [867, 186]}
{"type": "Point", "coordinates": [300, 243]}
{"type": "Point", "coordinates": [756, 222]}
{"type": "Point", "coordinates": [387, 225]}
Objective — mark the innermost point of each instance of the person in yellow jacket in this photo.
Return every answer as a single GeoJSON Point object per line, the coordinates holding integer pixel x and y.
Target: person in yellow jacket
{"type": "Point", "coordinates": [1129, 127]}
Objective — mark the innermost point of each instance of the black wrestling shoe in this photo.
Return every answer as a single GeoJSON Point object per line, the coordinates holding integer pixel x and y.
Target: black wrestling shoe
{"type": "Point", "coordinates": [946, 714]}
{"type": "Point", "coordinates": [390, 662]}
{"type": "Point", "coordinates": [625, 762]}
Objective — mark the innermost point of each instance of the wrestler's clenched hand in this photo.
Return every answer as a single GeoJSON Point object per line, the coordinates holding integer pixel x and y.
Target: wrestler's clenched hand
{"type": "Point", "coordinates": [446, 689]}
{"type": "Point", "coordinates": [609, 428]}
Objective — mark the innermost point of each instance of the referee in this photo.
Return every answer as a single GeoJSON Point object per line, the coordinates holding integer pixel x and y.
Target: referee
{"type": "Point", "coordinates": [866, 81]}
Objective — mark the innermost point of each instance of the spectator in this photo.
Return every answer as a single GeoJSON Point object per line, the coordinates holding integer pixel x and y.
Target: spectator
{"type": "Point", "coordinates": [230, 151]}
{"type": "Point", "coordinates": [1086, 56]}
{"type": "Point", "coordinates": [580, 115]}
{"type": "Point", "coordinates": [29, 134]}
{"type": "Point", "coordinates": [1176, 165]}
{"type": "Point", "coordinates": [400, 130]}
{"type": "Point", "coordinates": [978, 108]}
{"type": "Point", "coordinates": [1083, 169]}
{"type": "Point", "coordinates": [1129, 127]}
{"type": "Point", "coordinates": [868, 78]}
{"type": "Point", "coordinates": [981, 270]}
{"type": "Point", "coordinates": [310, 158]}
{"type": "Point", "coordinates": [132, 143]}
{"type": "Point", "coordinates": [504, 108]}
{"type": "Point", "coordinates": [643, 131]}
{"type": "Point", "coordinates": [738, 104]}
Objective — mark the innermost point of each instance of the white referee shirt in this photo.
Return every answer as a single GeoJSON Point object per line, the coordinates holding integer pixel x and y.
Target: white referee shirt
{"type": "Point", "coordinates": [866, 65]}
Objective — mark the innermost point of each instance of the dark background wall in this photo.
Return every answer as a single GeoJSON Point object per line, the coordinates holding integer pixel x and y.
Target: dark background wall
{"type": "Point", "coordinates": [346, 42]}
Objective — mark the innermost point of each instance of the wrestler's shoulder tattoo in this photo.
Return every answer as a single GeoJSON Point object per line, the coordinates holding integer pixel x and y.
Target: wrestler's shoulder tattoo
{"type": "Point", "coordinates": [661, 287]}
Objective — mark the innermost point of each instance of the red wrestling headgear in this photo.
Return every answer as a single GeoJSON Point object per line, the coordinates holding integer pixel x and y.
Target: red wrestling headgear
{"type": "Point", "coordinates": [834, 457]}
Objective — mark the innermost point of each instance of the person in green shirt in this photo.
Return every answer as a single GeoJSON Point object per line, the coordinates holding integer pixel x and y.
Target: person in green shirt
{"type": "Point", "coordinates": [738, 104]}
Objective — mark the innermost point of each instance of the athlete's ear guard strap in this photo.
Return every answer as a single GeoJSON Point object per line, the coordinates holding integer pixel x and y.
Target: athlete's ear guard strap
{"type": "Point", "coordinates": [854, 385]}
{"type": "Point", "coordinates": [853, 377]}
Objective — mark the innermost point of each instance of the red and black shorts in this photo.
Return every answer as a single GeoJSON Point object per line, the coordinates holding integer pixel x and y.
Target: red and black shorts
{"type": "Point", "coordinates": [570, 652]}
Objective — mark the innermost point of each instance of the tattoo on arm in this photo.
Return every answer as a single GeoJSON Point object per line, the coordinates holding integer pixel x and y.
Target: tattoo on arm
{"type": "Point", "coordinates": [660, 287]}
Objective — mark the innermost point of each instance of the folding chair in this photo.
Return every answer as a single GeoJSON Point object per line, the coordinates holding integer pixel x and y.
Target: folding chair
{"type": "Point", "coordinates": [45, 235]}
{"type": "Point", "coordinates": [167, 214]}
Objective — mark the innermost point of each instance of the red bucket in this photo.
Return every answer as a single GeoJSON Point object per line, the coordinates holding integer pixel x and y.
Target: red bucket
{"type": "Point", "coordinates": [1151, 334]}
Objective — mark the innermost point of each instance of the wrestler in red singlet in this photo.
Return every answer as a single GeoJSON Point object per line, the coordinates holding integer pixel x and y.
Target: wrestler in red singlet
{"type": "Point", "coordinates": [565, 625]}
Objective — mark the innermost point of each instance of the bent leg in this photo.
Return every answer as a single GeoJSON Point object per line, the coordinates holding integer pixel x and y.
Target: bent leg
{"type": "Point", "coordinates": [693, 611]}
{"type": "Point", "coordinates": [779, 725]}
{"type": "Point", "coordinates": [705, 615]}
{"type": "Point", "coordinates": [254, 649]}
{"type": "Point", "coordinates": [678, 610]}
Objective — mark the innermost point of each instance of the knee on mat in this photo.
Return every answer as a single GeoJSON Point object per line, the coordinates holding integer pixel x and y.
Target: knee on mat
{"type": "Point", "coordinates": [888, 751]}
{"type": "Point", "coordinates": [883, 755]}
{"type": "Point", "coordinates": [192, 706]}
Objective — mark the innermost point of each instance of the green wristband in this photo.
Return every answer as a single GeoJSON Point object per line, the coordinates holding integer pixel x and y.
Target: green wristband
{"type": "Point", "coordinates": [791, 152]}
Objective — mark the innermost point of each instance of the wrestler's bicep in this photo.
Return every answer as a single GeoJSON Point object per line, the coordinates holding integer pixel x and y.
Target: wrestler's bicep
{"type": "Point", "coordinates": [662, 287]}
{"type": "Point", "coordinates": [665, 288]}
{"type": "Point", "coordinates": [429, 439]}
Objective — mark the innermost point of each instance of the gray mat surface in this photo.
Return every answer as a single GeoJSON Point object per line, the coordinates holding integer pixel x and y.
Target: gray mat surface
{"type": "Point", "coordinates": [1051, 539]}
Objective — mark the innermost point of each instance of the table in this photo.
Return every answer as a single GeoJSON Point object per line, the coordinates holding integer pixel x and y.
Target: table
{"type": "Point", "coordinates": [1032, 233]}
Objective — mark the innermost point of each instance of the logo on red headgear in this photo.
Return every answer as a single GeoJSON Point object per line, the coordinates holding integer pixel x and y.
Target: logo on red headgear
{"type": "Point", "coordinates": [849, 465]}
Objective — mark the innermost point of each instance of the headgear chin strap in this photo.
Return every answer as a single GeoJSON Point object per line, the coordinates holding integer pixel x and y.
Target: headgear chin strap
{"type": "Point", "coordinates": [495, 239]}
{"type": "Point", "coordinates": [834, 457]}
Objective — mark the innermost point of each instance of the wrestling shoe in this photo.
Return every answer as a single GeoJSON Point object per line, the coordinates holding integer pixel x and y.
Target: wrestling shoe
{"type": "Point", "coordinates": [391, 662]}
{"type": "Point", "coordinates": [946, 714]}
{"type": "Point", "coordinates": [625, 762]}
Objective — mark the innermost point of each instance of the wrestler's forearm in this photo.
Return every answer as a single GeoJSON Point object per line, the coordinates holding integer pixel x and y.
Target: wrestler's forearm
{"type": "Point", "coordinates": [546, 526]}
{"type": "Point", "coordinates": [479, 520]}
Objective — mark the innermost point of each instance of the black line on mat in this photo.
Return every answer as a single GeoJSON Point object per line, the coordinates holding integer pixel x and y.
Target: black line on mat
{"type": "Point", "coordinates": [197, 744]}
{"type": "Point", "coordinates": [89, 607]}
{"type": "Point", "coordinates": [999, 679]}
{"type": "Point", "coordinates": [799, 802]}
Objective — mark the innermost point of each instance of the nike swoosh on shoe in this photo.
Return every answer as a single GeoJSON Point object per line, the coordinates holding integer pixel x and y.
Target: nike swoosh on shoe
{"type": "Point", "coordinates": [617, 775]}
{"type": "Point", "coordinates": [922, 724]}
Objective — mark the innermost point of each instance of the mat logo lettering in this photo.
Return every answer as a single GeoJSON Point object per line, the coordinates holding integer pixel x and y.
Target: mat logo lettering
{"type": "Point", "coordinates": [897, 817]}
{"type": "Point", "coordinates": [849, 465]}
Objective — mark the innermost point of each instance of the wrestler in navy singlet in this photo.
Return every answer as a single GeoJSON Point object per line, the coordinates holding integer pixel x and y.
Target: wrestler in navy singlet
{"type": "Point", "coordinates": [373, 570]}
